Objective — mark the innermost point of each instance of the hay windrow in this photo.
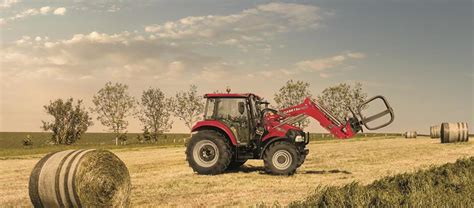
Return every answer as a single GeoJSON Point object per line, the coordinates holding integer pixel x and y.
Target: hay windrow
{"type": "Point", "coordinates": [450, 185]}
{"type": "Point", "coordinates": [103, 180]}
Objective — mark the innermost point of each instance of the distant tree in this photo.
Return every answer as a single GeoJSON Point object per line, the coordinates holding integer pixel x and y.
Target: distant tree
{"type": "Point", "coordinates": [113, 105]}
{"type": "Point", "coordinates": [139, 139]}
{"type": "Point", "coordinates": [70, 121]}
{"type": "Point", "coordinates": [146, 135]}
{"type": "Point", "coordinates": [155, 112]}
{"type": "Point", "coordinates": [337, 99]}
{"type": "Point", "coordinates": [27, 141]}
{"type": "Point", "coordinates": [188, 106]}
{"type": "Point", "coordinates": [291, 94]}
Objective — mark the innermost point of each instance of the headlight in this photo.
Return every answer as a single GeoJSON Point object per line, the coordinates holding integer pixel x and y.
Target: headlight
{"type": "Point", "coordinates": [299, 138]}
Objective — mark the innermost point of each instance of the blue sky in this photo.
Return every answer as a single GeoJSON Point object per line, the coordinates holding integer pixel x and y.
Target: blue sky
{"type": "Point", "coordinates": [418, 54]}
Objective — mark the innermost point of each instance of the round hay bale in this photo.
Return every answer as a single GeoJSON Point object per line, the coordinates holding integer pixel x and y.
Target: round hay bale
{"type": "Point", "coordinates": [435, 131]}
{"type": "Point", "coordinates": [80, 178]}
{"type": "Point", "coordinates": [454, 132]}
{"type": "Point", "coordinates": [410, 134]}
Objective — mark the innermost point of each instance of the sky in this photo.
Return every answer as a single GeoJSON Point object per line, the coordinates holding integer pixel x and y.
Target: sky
{"type": "Point", "coordinates": [418, 54]}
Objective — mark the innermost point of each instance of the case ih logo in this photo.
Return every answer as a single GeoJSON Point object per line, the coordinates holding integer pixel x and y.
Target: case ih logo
{"type": "Point", "coordinates": [296, 109]}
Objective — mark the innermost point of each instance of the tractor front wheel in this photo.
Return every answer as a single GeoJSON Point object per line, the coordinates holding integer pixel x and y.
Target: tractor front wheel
{"type": "Point", "coordinates": [281, 158]}
{"type": "Point", "coordinates": [208, 152]}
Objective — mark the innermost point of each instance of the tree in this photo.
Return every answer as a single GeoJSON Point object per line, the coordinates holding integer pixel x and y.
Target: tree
{"type": "Point", "coordinates": [70, 121]}
{"type": "Point", "coordinates": [113, 105]}
{"type": "Point", "coordinates": [155, 112]}
{"type": "Point", "coordinates": [291, 94]}
{"type": "Point", "coordinates": [188, 106]}
{"type": "Point", "coordinates": [337, 99]}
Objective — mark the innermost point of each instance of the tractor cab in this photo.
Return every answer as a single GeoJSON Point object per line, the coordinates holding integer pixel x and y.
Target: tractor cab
{"type": "Point", "coordinates": [239, 112]}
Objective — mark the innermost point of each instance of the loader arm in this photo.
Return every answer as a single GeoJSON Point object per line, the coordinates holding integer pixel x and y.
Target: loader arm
{"type": "Point", "coordinates": [339, 129]}
{"type": "Point", "coordinates": [309, 108]}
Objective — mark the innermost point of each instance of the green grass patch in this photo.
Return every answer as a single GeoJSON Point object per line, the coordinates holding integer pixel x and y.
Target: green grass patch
{"type": "Point", "coordinates": [450, 185]}
{"type": "Point", "coordinates": [11, 143]}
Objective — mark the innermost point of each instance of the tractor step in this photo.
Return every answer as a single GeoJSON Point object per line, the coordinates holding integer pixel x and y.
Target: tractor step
{"type": "Point", "coordinates": [243, 153]}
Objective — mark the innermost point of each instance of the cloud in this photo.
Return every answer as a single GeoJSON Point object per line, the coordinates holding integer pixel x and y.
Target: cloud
{"type": "Point", "coordinates": [321, 64]}
{"type": "Point", "coordinates": [121, 56]}
{"type": "Point", "coordinates": [8, 3]}
{"type": "Point", "coordinates": [60, 11]}
{"type": "Point", "coordinates": [326, 67]}
{"type": "Point", "coordinates": [248, 26]}
{"type": "Point", "coordinates": [46, 10]}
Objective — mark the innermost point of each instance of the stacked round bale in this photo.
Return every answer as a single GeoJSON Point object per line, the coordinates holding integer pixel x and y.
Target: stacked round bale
{"type": "Point", "coordinates": [454, 132]}
{"type": "Point", "coordinates": [80, 178]}
{"type": "Point", "coordinates": [410, 134]}
{"type": "Point", "coordinates": [435, 131]}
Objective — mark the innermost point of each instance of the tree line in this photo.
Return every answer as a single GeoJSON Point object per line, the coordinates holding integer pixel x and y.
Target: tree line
{"type": "Point", "coordinates": [113, 106]}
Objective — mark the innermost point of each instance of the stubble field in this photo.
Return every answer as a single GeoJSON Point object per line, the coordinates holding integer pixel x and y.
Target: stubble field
{"type": "Point", "coordinates": [161, 177]}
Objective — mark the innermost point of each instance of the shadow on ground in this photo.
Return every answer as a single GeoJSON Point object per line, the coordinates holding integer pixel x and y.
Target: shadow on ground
{"type": "Point", "coordinates": [261, 170]}
{"type": "Point", "coordinates": [325, 171]}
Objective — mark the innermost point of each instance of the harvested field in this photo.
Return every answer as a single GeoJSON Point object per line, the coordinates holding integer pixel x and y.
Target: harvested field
{"type": "Point", "coordinates": [160, 176]}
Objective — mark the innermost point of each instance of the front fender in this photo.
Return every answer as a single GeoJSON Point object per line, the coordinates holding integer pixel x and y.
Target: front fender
{"type": "Point", "coordinates": [272, 140]}
{"type": "Point", "coordinates": [213, 124]}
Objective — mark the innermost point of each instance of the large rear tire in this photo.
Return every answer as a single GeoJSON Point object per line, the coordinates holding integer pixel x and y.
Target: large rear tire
{"type": "Point", "coordinates": [208, 152]}
{"type": "Point", "coordinates": [281, 158]}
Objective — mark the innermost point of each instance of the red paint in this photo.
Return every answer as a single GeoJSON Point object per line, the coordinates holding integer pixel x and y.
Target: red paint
{"type": "Point", "coordinates": [216, 124]}
{"type": "Point", "coordinates": [229, 95]}
{"type": "Point", "coordinates": [279, 131]}
{"type": "Point", "coordinates": [310, 109]}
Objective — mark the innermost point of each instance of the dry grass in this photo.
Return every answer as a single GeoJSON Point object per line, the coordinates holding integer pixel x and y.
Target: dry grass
{"type": "Point", "coordinates": [162, 177]}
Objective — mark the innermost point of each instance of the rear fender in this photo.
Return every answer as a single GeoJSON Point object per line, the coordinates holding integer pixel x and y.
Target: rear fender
{"type": "Point", "coordinates": [215, 125]}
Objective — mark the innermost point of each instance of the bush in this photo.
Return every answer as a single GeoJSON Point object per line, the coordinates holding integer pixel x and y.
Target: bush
{"type": "Point", "coordinates": [450, 185]}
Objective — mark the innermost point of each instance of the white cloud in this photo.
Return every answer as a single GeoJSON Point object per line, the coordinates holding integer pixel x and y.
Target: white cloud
{"type": "Point", "coordinates": [113, 8]}
{"type": "Point", "coordinates": [8, 3]}
{"type": "Point", "coordinates": [251, 25]}
{"type": "Point", "coordinates": [60, 11]}
{"type": "Point", "coordinates": [324, 67]}
{"type": "Point", "coordinates": [106, 56]}
{"type": "Point", "coordinates": [46, 10]}
{"type": "Point", "coordinates": [321, 64]}
{"type": "Point", "coordinates": [356, 55]}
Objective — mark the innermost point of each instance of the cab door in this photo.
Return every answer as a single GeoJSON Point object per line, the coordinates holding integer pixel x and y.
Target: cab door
{"type": "Point", "coordinates": [234, 113]}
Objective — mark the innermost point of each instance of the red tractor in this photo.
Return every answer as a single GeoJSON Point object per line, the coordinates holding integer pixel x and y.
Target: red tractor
{"type": "Point", "coordinates": [238, 127]}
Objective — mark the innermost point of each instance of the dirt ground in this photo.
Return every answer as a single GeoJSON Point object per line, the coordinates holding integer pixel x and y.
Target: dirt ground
{"type": "Point", "coordinates": [161, 176]}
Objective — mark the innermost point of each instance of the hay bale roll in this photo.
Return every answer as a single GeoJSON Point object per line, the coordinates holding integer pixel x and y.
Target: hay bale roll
{"type": "Point", "coordinates": [435, 131]}
{"type": "Point", "coordinates": [454, 132]}
{"type": "Point", "coordinates": [410, 134]}
{"type": "Point", "coordinates": [80, 178]}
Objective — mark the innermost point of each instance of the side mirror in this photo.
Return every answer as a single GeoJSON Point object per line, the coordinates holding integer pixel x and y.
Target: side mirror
{"type": "Point", "coordinates": [241, 107]}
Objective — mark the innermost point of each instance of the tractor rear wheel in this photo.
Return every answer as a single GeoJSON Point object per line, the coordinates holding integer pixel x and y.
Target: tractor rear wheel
{"type": "Point", "coordinates": [281, 158]}
{"type": "Point", "coordinates": [208, 152]}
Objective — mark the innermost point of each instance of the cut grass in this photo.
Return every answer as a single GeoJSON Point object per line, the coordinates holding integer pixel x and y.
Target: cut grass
{"type": "Point", "coordinates": [450, 185]}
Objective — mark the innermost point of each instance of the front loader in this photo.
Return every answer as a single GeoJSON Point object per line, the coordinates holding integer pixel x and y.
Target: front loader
{"type": "Point", "coordinates": [239, 127]}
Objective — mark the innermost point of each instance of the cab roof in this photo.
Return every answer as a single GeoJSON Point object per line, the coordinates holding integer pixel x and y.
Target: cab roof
{"type": "Point", "coordinates": [229, 95]}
